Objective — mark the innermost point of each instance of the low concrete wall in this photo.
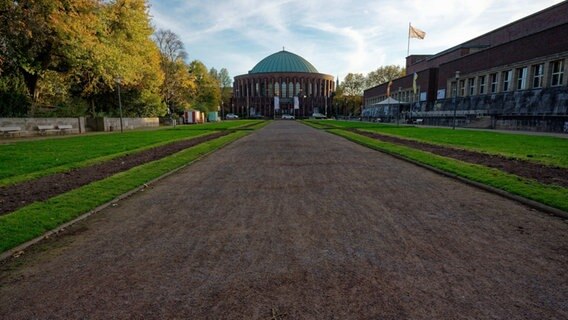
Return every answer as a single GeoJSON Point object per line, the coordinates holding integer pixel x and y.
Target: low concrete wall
{"type": "Point", "coordinates": [113, 124]}
{"type": "Point", "coordinates": [29, 125]}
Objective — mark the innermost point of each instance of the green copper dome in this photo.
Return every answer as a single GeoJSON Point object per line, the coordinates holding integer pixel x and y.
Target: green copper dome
{"type": "Point", "coordinates": [283, 61]}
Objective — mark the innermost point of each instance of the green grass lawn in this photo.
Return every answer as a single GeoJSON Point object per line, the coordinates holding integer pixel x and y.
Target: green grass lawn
{"type": "Point", "coordinates": [553, 196]}
{"type": "Point", "coordinates": [24, 160]}
{"type": "Point", "coordinates": [35, 219]}
{"type": "Point", "coordinates": [541, 149]}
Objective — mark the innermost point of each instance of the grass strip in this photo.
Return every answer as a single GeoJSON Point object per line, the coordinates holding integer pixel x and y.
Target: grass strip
{"type": "Point", "coordinates": [552, 151]}
{"type": "Point", "coordinates": [553, 196]}
{"type": "Point", "coordinates": [34, 220]}
{"type": "Point", "coordinates": [27, 160]}
{"type": "Point", "coordinates": [89, 162]}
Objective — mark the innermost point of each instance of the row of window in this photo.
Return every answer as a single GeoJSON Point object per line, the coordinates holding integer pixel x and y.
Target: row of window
{"type": "Point", "coordinates": [285, 90]}
{"type": "Point", "coordinates": [534, 76]}
{"type": "Point", "coordinates": [521, 78]}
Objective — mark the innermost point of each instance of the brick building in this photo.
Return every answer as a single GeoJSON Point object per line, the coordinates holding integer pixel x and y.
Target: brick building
{"type": "Point", "coordinates": [282, 83]}
{"type": "Point", "coordinates": [512, 77]}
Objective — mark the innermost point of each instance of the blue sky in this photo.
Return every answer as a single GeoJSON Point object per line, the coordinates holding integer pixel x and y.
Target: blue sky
{"type": "Point", "coordinates": [336, 36]}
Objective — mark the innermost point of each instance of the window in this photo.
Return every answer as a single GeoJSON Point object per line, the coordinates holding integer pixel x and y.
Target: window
{"type": "Point", "coordinates": [471, 86]}
{"type": "Point", "coordinates": [557, 68]}
{"type": "Point", "coordinates": [461, 88]}
{"type": "Point", "coordinates": [538, 75]}
{"type": "Point", "coordinates": [257, 89]}
{"type": "Point", "coordinates": [494, 82]}
{"type": "Point", "coordinates": [290, 90]}
{"type": "Point", "coordinates": [454, 89]}
{"type": "Point", "coordinates": [270, 92]}
{"type": "Point", "coordinates": [481, 82]}
{"type": "Point", "coordinates": [284, 90]}
{"type": "Point", "coordinates": [276, 89]}
{"type": "Point", "coordinates": [298, 89]}
{"type": "Point", "coordinates": [522, 78]}
{"type": "Point", "coordinates": [507, 75]}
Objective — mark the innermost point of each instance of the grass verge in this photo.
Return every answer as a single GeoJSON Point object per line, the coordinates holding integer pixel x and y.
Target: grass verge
{"type": "Point", "coordinates": [28, 160]}
{"type": "Point", "coordinates": [34, 220]}
{"type": "Point", "coordinates": [553, 196]}
{"type": "Point", "coordinates": [552, 151]}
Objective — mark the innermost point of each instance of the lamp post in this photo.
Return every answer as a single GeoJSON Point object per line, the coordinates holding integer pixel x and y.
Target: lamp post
{"type": "Point", "coordinates": [457, 77]}
{"type": "Point", "coordinates": [398, 107]}
{"type": "Point", "coordinates": [118, 80]}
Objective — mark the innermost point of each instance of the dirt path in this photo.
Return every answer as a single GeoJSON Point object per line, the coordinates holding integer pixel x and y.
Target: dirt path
{"type": "Point", "coordinates": [294, 223]}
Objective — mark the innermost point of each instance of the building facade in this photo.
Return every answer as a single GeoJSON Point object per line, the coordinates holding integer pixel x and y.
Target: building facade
{"type": "Point", "coordinates": [513, 77]}
{"type": "Point", "coordinates": [282, 83]}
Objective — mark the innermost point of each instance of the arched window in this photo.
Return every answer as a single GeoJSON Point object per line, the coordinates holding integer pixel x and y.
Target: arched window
{"type": "Point", "coordinates": [276, 89]}
{"type": "Point", "coordinates": [284, 90]}
{"type": "Point", "coordinates": [290, 90]}
{"type": "Point", "coordinates": [297, 88]}
{"type": "Point", "coordinates": [270, 92]}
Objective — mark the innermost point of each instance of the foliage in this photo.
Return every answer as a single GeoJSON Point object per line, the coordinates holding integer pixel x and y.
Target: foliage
{"type": "Point", "coordinates": [177, 86]}
{"type": "Point", "coordinates": [384, 75]}
{"type": "Point", "coordinates": [72, 52]}
{"type": "Point", "coordinates": [207, 95]}
{"type": "Point", "coordinates": [353, 84]}
{"type": "Point", "coordinates": [14, 100]}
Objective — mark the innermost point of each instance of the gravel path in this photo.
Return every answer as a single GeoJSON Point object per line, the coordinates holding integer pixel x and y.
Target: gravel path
{"type": "Point", "coordinates": [294, 223]}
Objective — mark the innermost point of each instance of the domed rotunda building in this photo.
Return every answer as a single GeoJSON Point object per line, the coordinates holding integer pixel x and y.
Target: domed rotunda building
{"type": "Point", "coordinates": [282, 83]}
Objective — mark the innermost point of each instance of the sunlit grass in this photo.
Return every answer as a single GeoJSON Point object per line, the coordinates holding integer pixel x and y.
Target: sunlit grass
{"type": "Point", "coordinates": [34, 220]}
{"type": "Point", "coordinates": [553, 196]}
{"type": "Point", "coordinates": [542, 149]}
{"type": "Point", "coordinates": [25, 160]}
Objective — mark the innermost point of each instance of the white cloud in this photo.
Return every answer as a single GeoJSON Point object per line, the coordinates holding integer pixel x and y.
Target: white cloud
{"type": "Point", "coordinates": [336, 36]}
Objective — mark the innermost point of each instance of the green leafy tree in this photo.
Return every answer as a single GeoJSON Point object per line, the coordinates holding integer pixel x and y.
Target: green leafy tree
{"type": "Point", "coordinates": [353, 84]}
{"type": "Point", "coordinates": [207, 95]}
{"type": "Point", "coordinates": [384, 75]}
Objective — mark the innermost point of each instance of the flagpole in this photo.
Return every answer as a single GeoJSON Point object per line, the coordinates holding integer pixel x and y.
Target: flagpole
{"type": "Point", "coordinates": [408, 47]}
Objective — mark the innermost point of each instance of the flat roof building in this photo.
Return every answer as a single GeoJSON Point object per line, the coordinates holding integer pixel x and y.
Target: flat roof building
{"type": "Point", "coordinates": [512, 77]}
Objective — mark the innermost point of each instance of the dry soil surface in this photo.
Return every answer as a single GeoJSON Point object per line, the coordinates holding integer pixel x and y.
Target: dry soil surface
{"type": "Point", "coordinates": [294, 223]}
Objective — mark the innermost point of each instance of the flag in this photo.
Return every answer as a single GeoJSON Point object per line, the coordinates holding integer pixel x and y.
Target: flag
{"type": "Point", "coordinates": [389, 89]}
{"type": "Point", "coordinates": [414, 88]}
{"type": "Point", "coordinates": [276, 103]}
{"type": "Point", "coordinates": [416, 33]}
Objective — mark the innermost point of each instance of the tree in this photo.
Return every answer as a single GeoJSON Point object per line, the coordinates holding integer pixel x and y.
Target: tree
{"type": "Point", "coordinates": [224, 78]}
{"type": "Point", "coordinates": [384, 75]}
{"type": "Point", "coordinates": [225, 83]}
{"type": "Point", "coordinates": [29, 41]}
{"type": "Point", "coordinates": [170, 45]}
{"type": "Point", "coordinates": [353, 84]}
{"type": "Point", "coordinates": [207, 95]}
{"type": "Point", "coordinates": [177, 86]}
{"type": "Point", "coordinates": [130, 54]}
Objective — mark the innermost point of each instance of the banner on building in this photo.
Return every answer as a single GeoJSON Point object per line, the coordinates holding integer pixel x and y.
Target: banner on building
{"type": "Point", "coordinates": [414, 86]}
{"type": "Point", "coordinates": [276, 103]}
{"type": "Point", "coordinates": [296, 103]}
